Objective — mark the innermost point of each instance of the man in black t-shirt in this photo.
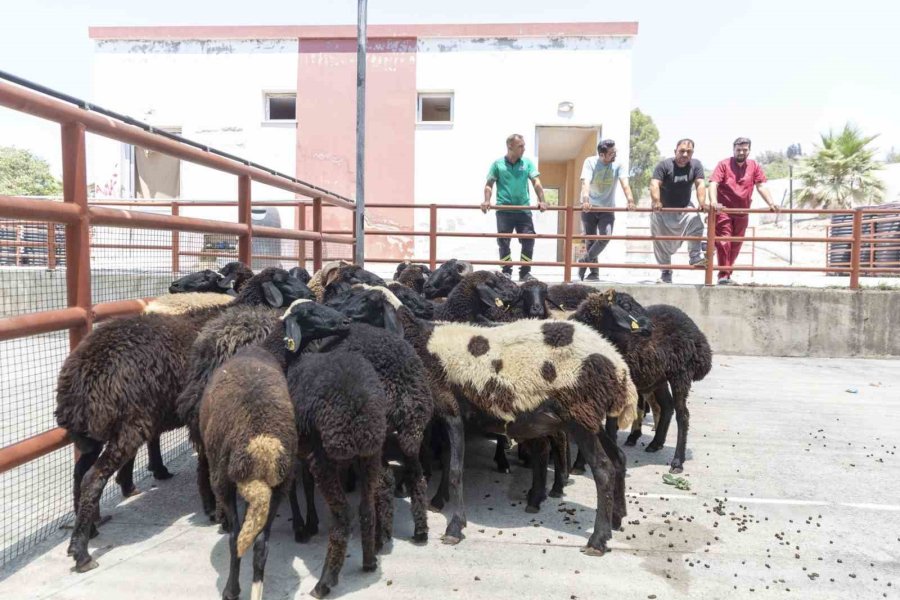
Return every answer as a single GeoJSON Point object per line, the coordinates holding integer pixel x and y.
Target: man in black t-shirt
{"type": "Point", "coordinates": [670, 187]}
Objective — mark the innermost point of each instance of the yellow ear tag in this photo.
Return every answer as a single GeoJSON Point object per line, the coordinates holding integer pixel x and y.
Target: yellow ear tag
{"type": "Point", "coordinates": [498, 302]}
{"type": "Point", "coordinates": [634, 325]}
{"type": "Point", "coordinates": [289, 344]}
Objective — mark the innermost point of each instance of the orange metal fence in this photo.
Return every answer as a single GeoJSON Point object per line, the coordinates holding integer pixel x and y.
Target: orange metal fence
{"type": "Point", "coordinates": [59, 234]}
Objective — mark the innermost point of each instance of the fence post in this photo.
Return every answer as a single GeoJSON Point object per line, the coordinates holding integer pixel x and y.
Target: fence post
{"type": "Point", "coordinates": [51, 246]}
{"type": "Point", "coordinates": [354, 232]}
{"type": "Point", "coordinates": [300, 225]}
{"type": "Point", "coordinates": [176, 246]}
{"type": "Point", "coordinates": [567, 244]}
{"type": "Point", "coordinates": [432, 236]}
{"type": "Point", "coordinates": [710, 244]}
{"type": "Point", "coordinates": [855, 249]}
{"type": "Point", "coordinates": [78, 234]}
{"type": "Point", "coordinates": [317, 227]}
{"type": "Point", "coordinates": [244, 245]}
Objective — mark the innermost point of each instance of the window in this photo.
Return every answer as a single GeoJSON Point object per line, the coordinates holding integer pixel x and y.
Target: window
{"type": "Point", "coordinates": [435, 107]}
{"type": "Point", "coordinates": [281, 107]}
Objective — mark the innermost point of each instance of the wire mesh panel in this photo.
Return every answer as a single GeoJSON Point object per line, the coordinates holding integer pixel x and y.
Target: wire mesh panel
{"type": "Point", "coordinates": [29, 280]}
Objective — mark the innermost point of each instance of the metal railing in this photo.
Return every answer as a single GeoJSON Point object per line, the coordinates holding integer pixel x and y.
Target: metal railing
{"type": "Point", "coordinates": [75, 216]}
{"type": "Point", "coordinates": [569, 235]}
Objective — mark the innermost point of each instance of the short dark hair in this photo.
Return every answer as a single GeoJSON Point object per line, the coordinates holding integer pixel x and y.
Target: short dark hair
{"type": "Point", "coordinates": [685, 141]}
{"type": "Point", "coordinates": [605, 146]}
{"type": "Point", "coordinates": [741, 141]}
{"type": "Point", "coordinates": [513, 138]}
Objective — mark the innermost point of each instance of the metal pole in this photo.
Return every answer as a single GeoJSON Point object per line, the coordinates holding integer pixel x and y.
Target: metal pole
{"type": "Point", "coordinates": [360, 250]}
{"type": "Point", "coordinates": [791, 216]}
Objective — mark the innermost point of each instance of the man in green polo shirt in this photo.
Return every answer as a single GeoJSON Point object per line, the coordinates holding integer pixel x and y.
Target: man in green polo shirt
{"type": "Point", "coordinates": [512, 174]}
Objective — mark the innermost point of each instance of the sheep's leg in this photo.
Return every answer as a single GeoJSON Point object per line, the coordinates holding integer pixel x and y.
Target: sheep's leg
{"type": "Point", "coordinates": [523, 453]}
{"type": "Point", "coordinates": [539, 448]}
{"type": "Point", "coordinates": [309, 491]}
{"type": "Point", "coordinates": [297, 523]}
{"type": "Point", "coordinates": [206, 494]}
{"type": "Point", "coordinates": [603, 472]}
{"type": "Point", "coordinates": [369, 479]}
{"type": "Point", "coordinates": [384, 509]}
{"type": "Point", "coordinates": [681, 390]}
{"type": "Point", "coordinates": [500, 454]}
{"type": "Point", "coordinates": [329, 482]}
{"type": "Point", "coordinates": [155, 460]}
{"type": "Point", "coordinates": [636, 433]}
{"type": "Point", "coordinates": [232, 589]}
{"type": "Point", "coordinates": [612, 429]}
{"type": "Point", "coordinates": [443, 492]}
{"type": "Point", "coordinates": [425, 455]}
{"type": "Point", "coordinates": [261, 546]}
{"type": "Point", "coordinates": [617, 457]}
{"type": "Point", "coordinates": [579, 464]}
{"type": "Point", "coordinates": [90, 451]}
{"type": "Point", "coordinates": [454, 534]}
{"type": "Point", "coordinates": [666, 407]}
{"type": "Point", "coordinates": [125, 479]}
{"type": "Point", "coordinates": [418, 492]}
{"type": "Point", "coordinates": [116, 453]}
{"type": "Point", "coordinates": [559, 446]}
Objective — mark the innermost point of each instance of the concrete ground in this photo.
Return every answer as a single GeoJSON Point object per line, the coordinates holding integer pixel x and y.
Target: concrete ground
{"type": "Point", "coordinates": [794, 488]}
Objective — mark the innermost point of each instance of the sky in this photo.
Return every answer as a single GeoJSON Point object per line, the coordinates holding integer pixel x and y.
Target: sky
{"type": "Point", "coordinates": [779, 72]}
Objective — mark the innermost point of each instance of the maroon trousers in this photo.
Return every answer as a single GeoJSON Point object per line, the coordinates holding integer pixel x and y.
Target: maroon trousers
{"type": "Point", "coordinates": [728, 225]}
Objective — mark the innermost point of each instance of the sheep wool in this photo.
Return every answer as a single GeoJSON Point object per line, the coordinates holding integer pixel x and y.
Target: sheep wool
{"type": "Point", "coordinates": [518, 365]}
{"type": "Point", "coordinates": [178, 304]}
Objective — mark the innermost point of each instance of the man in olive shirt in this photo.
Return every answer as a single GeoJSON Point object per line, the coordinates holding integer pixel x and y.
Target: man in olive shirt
{"type": "Point", "coordinates": [512, 174]}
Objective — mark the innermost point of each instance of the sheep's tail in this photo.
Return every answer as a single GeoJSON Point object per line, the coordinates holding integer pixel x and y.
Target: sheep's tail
{"type": "Point", "coordinates": [629, 411]}
{"type": "Point", "coordinates": [266, 452]}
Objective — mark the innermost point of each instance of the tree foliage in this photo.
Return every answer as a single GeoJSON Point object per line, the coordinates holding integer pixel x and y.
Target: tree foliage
{"type": "Point", "coordinates": [841, 173]}
{"type": "Point", "coordinates": [24, 174]}
{"type": "Point", "coordinates": [644, 152]}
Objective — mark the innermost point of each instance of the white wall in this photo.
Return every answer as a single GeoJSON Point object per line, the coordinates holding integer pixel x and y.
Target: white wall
{"type": "Point", "coordinates": [213, 91]}
{"type": "Point", "coordinates": [504, 86]}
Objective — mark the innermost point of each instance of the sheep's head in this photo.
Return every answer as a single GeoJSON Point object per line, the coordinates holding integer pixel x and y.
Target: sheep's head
{"type": "Point", "coordinates": [613, 312]}
{"type": "Point", "coordinates": [300, 273]}
{"type": "Point", "coordinates": [412, 275]}
{"type": "Point", "coordinates": [376, 306]}
{"type": "Point", "coordinates": [422, 308]}
{"type": "Point", "coordinates": [534, 300]}
{"type": "Point", "coordinates": [202, 281]}
{"type": "Point", "coordinates": [280, 289]}
{"type": "Point", "coordinates": [306, 320]}
{"type": "Point", "coordinates": [238, 272]}
{"type": "Point", "coordinates": [496, 294]}
{"type": "Point", "coordinates": [440, 283]}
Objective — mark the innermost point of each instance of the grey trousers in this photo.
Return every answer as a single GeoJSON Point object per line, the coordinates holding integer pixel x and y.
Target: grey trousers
{"type": "Point", "coordinates": [671, 223]}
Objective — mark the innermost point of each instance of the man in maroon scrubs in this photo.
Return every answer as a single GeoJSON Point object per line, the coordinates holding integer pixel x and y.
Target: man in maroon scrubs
{"type": "Point", "coordinates": [731, 186]}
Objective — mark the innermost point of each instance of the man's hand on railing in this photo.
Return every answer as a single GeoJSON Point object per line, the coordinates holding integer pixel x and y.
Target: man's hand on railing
{"type": "Point", "coordinates": [774, 208]}
{"type": "Point", "coordinates": [630, 206]}
{"type": "Point", "coordinates": [542, 206]}
{"type": "Point", "coordinates": [656, 206]}
{"type": "Point", "coordinates": [585, 204]}
{"type": "Point", "coordinates": [485, 206]}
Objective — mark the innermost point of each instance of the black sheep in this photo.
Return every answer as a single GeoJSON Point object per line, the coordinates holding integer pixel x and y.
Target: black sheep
{"type": "Point", "coordinates": [442, 281]}
{"type": "Point", "coordinates": [668, 356]}
{"type": "Point", "coordinates": [412, 276]}
{"type": "Point", "coordinates": [117, 390]}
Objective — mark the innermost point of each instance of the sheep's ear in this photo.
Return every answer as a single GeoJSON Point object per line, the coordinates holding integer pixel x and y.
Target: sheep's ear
{"type": "Point", "coordinates": [331, 276]}
{"type": "Point", "coordinates": [292, 335]}
{"type": "Point", "coordinates": [391, 322]}
{"type": "Point", "coordinates": [488, 296]}
{"type": "Point", "coordinates": [226, 282]}
{"type": "Point", "coordinates": [554, 304]}
{"type": "Point", "coordinates": [625, 321]}
{"type": "Point", "coordinates": [273, 294]}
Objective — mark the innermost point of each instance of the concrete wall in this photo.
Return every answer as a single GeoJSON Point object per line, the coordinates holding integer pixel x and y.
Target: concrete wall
{"type": "Point", "coordinates": [503, 86]}
{"type": "Point", "coordinates": [755, 321]}
{"type": "Point", "coordinates": [770, 321]}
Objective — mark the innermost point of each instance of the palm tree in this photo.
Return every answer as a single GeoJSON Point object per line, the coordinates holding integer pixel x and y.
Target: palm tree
{"type": "Point", "coordinates": [841, 173]}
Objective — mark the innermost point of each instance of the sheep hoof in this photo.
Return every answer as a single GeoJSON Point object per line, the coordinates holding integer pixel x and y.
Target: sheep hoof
{"type": "Point", "coordinates": [420, 538]}
{"type": "Point", "coordinates": [676, 468]}
{"type": "Point", "coordinates": [532, 509]}
{"type": "Point", "coordinates": [226, 595]}
{"type": "Point", "coordinates": [86, 566]}
{"type": "Point", "coordinates": [632, 440]}
{"type": "Point", "coordinates": [370, 568]}
{"type": "Point", "coordinates": [320, 591]}
{"type": "Point", "coordinates": [131, 492]}
{"type": "Point", "coordinates": [301, 537]}
{"type": "Point", "coordinates": [162, 474]}
{"type": "Point", "coordinates": [554, 493]}
{"type": "Point", "coordinates": [577, 471]}
{"type": "Point", "coordinates": [591, 551]}
{"type": "Point", "coordinates": [436, 506]}
{"type": "Point", "coordinates": [653, 447]}
{"type": "Point", "coordinates": [450, 540]}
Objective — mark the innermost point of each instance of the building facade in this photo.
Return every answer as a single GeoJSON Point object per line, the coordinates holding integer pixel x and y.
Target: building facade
{"type": "Point", "coordinates": [441, 100]}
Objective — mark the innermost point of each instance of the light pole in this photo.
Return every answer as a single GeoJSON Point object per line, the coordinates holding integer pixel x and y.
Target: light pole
{"type": "Point", "coordinates": [360, 214]}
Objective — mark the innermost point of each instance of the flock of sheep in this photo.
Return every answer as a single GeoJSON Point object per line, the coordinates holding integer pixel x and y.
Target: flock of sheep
{"type": "Point", "coordinates": [280, 377]}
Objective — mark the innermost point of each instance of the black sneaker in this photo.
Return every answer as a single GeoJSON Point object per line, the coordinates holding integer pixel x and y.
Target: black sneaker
{"type": "Point", "coordinates": [526, 277]}
{"type": "Point", "coordinates": [592, 277]}
{"type": "Point", "coordinates": [581, 272]}
{"type": "Point", "coordinates": [665, 277]}
{"type": "Point", "coordinates": [505, 274]}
